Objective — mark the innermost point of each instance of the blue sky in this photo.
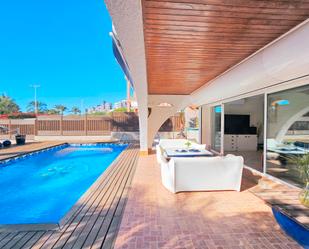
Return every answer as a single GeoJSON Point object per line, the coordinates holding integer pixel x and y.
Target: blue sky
{"type": "Point", "coordinates": [64, 46]}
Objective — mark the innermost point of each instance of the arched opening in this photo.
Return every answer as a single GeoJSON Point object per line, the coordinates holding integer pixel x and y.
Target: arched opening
{"type": "Point", "coordinates": [180, 124]}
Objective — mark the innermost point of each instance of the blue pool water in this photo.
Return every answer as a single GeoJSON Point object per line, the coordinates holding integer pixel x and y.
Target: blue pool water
{"type": "Point", "coordinates": [42, 188]}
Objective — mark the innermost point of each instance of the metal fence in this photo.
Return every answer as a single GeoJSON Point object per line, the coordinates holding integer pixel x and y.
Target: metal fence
{"type": "Point", "coordinates": [77, 125]}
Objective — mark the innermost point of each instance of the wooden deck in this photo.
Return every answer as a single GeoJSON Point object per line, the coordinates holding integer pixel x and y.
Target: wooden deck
{"type": "Point", "coordinates": [95, 220]}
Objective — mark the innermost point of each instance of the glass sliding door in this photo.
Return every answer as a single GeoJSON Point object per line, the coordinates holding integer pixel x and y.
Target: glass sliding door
{"type": "Point", "coordinates": [216, 128]}
{"type": "Point", "coordinates": [287, 132]}
{"type": "Point", "coordinates": [244, 130]}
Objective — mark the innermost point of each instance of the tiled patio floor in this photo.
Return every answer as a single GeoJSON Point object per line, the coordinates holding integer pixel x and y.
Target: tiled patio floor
{"type": "Point", "coordinates": [156, 218]}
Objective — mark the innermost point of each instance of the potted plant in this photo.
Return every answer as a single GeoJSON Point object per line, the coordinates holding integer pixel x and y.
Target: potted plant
{"type": "Point", "coordinates": [188, 144]}
{"type": "Point", "coordinates": [302, 162]}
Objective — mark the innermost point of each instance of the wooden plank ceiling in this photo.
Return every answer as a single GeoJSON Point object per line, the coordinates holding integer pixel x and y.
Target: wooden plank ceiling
{"type": "Point", "coordinates": [190, 42]}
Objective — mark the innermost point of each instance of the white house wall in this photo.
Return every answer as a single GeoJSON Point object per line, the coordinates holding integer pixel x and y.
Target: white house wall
{"type": "Point", "coordinates": [128, 23]}
{"type": "Point", "coordinates": [267, 71]}
{"type": "Point", "coordinates": [284, 60]}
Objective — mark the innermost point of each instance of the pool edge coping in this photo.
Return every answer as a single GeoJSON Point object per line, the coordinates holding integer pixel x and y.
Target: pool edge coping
{"type": "Point", "coordinates": [31, 152]}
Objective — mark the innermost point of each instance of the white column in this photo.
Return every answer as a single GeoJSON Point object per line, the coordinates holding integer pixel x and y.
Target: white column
{"type": "Point", "coordinates": [142, 100]}
{"type": "Point", "coordinates": [143, 129]}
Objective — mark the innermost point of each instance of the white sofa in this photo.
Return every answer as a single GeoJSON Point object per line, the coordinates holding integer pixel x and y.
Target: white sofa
{"type": "Point", "coordinates": [202, 173]}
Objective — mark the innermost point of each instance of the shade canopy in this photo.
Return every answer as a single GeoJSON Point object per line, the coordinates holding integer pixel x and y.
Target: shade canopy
{"type": "Point", "coordinates": [191, 42]}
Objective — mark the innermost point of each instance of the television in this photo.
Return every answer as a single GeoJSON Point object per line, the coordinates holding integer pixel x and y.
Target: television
{"type": "Point", "coordinates": [238, 124]}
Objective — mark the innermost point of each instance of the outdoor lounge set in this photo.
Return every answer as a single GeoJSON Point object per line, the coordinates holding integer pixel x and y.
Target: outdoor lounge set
{"type": "Point", "coordinates": [192, 168]}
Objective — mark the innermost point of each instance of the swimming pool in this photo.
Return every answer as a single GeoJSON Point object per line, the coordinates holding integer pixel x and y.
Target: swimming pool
{"type": "Point", "coordinates": [42, 187]}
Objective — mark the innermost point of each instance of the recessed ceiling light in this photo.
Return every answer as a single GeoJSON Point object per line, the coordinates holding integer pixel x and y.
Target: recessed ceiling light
{"type": "Point", "coordinates": [165, 104]}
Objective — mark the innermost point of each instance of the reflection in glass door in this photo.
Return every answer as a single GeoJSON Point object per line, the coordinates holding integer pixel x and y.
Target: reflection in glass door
{"type": "Point", "coordinates": [287, 133]}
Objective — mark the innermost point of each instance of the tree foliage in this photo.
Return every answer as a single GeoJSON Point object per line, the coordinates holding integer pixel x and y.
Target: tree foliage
{"type": "Point", "coordinates": [75, 110]}
{"type": "Point", "coordinates": [42, 107]}
{"type": "Point", "coordinates": [121, 109]}
{"type": "Point", "coordinates": [61, 108]}
{"type": "Point", "coordinates": [53, 112]}
{"type": "Point", "coordinates": [8, 105]}
{"type": "Point", "coordinates": [99, 113]}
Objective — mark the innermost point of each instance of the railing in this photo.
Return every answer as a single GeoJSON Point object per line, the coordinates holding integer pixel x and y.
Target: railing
{"type": "Point", "coordinates": [77, 125]}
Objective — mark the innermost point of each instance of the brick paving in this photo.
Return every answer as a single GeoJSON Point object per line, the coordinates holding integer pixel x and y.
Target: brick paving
{"type": "Point", "coordinates": [156, 218]}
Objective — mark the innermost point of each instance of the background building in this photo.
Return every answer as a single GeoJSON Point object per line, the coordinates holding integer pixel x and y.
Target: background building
{"type": "Point", "coordinates": [104, 107]}
{"type": "Point", "coordinates": [120, 104]}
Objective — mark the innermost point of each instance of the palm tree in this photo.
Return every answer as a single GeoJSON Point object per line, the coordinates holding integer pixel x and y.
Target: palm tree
{"type": "Point", "coordinates": [61, 108]}
{"type": "Point", "coordinates": [75, 110]}
{"type": "Point", "coordinates": [42, 107]}
{"type": "Point", "coordinates": [8, 105]}
{"type": "Point", "coordinates": [53, 111]}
